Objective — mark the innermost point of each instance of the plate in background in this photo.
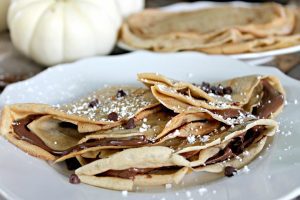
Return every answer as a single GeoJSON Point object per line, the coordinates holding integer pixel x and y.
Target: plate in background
{"type": "Point", "coordinates": [248, 57]}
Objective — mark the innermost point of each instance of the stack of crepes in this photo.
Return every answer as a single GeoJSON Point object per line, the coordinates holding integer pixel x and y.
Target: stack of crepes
{"type": "Point", "coordinates": [219, 30]}
{"type": "Point", "coordinates": [125, 136]}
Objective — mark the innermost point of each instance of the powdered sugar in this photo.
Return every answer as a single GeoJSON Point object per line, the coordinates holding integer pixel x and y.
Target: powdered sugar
{"type": "Point", "coordinates": [106, 102]}
{"type": "Point", "coordinates": [191, 139]}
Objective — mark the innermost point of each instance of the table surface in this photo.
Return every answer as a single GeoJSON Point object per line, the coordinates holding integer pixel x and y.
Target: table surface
{"type": "Point", "coordinates": [15, 67]}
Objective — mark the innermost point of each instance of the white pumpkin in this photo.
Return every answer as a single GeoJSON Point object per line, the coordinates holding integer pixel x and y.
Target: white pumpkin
{"type": "Point", "coordinates": [4, 4]}
{"type": "Point", "coordinates": [128, 7]}
{"type": "Point", "coordinates": [56, 31]}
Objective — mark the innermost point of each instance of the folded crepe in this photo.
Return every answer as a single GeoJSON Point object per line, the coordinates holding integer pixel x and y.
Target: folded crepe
{"type": "Point", "coordinates": [135, 167]}
{"type": "Point", "coordinates": [218, 30]}
{"type": "Point", "coordinates": [159, 165]}
{"type": "Point", "coordinates": [262, 96]}
{"type": "Point", "coordinates": [124, 137]}
{"type": "Point", "coordinates": [66, 131]}
{"type": "Point", "coordinates": [260, 44]}
{"type": "Point", "coordinates": [49, 132]}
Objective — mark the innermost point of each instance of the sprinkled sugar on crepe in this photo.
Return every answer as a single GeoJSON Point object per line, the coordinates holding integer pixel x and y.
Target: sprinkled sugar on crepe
{"type": "Point", "coordinates": [125, 137]}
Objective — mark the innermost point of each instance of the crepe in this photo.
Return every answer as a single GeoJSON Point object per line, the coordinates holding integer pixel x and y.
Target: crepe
{"type": "Point", "coordinates": [124, 137]}
{"type": "Point", "coordinates": [69, 123]}
{"type": "Point", "coordinates": [260, 44]}
{"type": "Point", "coordinates": [158, 165]}
{"type": "Point", "coordinates": [262, 96]}
{"type": "Point", "coordinates": [219, 30]}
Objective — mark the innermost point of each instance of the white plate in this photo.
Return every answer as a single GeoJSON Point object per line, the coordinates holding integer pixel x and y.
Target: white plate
{"type": "Point", "coordinates": [274, 176]}
{"type": "Point", "coordinates": [188, 6]}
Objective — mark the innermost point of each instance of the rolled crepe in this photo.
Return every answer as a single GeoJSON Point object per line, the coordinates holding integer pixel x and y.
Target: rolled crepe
{"type": "Point", "coordinates": [163, 31]}
{"type": "Point", "coordinates": [262, 96]}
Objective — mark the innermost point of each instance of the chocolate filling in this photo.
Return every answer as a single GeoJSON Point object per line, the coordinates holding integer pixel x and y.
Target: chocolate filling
{"type": "Point", "coordinates": [67, 125]}
{"type": "Point", "coordinates": [270, 102]}
{"type": "Point", "coordinates": [127, 173]}
{"type": "Point", "coordinates": [229, 113]}
{"type": "Point", "coordinates": [189, 154]}
{"type": "Point", "coordinates": [236, 146]}
{"type": "Point", "coordinates": [132, 172]}
{"type": "Point", "coordinates": [23, 133]}
{"type": "Point", "coordinates": [72, 164]}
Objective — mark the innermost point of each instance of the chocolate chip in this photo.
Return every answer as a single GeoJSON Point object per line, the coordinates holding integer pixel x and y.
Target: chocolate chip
{"type": "Point", "coordinates": [113, 116]}
{"type": "Point", "coordinates": [205, 87]}
{"type": "Point", "coordinates": [227, 90]}
{"type": "Point", "coordinates": [219, 91]}
{"type": "Point", "coordinates": [74, 179]}
{"type": "Point", "coordinates": [130, 124]}
{"type": "Point", "coordinates": [93, 103]}
{"type": "Point", "coordinates": [213, 89]}
{"type": "Point", "coordinates": [120, 94]}
{"type": "Point", "coordinates": [229, 171]}
{"type": "Point", "coordinates": [205, 84]}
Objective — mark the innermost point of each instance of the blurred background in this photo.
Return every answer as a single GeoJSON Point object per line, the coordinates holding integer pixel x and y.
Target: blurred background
{"type": "Point", "coordinates": [156, 3]}
{"type": "Point", "coordinates": [15, 67]}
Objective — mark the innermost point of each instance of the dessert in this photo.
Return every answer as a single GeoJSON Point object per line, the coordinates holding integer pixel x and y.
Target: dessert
{"type": "Point", "coordinates": [121, 137]}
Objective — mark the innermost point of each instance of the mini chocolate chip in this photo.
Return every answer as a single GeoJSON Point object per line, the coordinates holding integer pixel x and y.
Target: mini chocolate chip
{"type": "Point", "coordinates": [93, 103]}
{"type": "Point", "coordinates": [227, 90]}
{"type": "Point", "coordinates": [205, 87]}
{"type": "Point", "coordinates": [219, 91]}
{"type": "Point", "coordinates": [130, 124]}
{"type": "Point", "coordinates": [229, 171]}
{"type": "Point", "coordinates": [205, 84]}
{"type": "Point", "coordinates": [213, 89]}
{"type": "Point", "coordinates": [74, 179]}
{"type": "Point", "coordinates": [113, 116]}
{"type": "Point", "coordinates": [120, 94]}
